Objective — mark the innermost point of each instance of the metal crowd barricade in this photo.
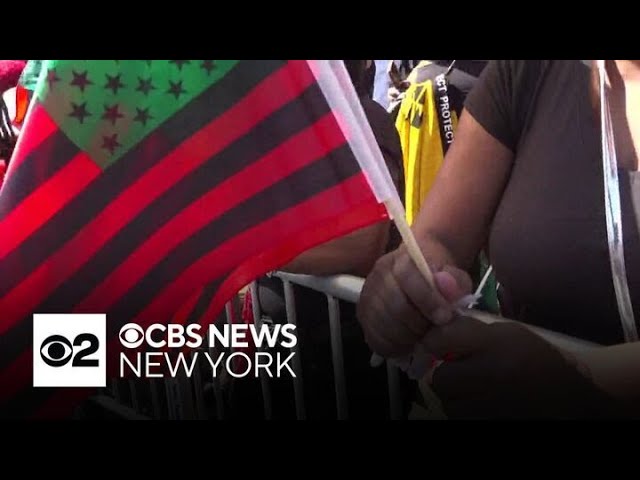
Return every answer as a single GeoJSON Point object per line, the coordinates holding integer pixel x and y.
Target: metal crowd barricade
{"type": "Point", "coordinates": [346, 288]}
{"type": "Point", "coordinates": [183, 398]}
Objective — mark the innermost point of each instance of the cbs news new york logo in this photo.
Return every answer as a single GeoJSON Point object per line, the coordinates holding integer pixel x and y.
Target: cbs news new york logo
{"type": "Point", "coordinates": [69, 350]}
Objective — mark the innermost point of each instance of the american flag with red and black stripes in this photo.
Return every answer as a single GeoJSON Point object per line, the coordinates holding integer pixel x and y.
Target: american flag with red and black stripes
{"type": "Point", "coordinates": [153, 190]}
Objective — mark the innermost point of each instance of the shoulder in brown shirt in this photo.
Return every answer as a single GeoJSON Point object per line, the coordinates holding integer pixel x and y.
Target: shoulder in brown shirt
{"type": "Point", "coordinates": [548, 240]}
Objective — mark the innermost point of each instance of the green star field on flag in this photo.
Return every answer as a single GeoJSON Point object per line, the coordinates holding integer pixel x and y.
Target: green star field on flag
{"type": "Point", "coordinates": [113, 104]}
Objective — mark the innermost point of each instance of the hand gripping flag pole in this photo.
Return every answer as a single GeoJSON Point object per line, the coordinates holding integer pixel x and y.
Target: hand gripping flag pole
{"type": "Point", "coordinates": [336, 85]}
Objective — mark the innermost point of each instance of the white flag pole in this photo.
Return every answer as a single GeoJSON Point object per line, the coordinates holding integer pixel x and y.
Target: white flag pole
{"type": "Point", "coordinates": [338, 89]}
{"type": "Point", "coordinates": [334, 80]}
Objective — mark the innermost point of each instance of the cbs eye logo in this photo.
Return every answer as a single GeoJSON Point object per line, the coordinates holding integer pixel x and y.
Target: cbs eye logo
{"type": "Point", "coordinates": [56, 351]}
{"type": "Point", "coordinates": [131, 335]}
{"type": "Point", "coordinates": [69, 350]}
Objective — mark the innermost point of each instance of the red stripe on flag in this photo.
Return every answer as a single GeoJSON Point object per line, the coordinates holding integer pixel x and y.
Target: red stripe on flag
{"type": "Point", "coordinates": [291, 222]}
{"type": "Point", "coordinates": [300, 150]}
{"type": "Point", "coordinates": [271, 94]}
{"type": "Point", "coordinates": [30, 137]}
{"type": "Point", "coordinates": [50, 197]}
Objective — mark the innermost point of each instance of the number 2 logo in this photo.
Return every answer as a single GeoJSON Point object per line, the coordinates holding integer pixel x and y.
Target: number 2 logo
{"type": "Point", "coordinates": [57, 351]}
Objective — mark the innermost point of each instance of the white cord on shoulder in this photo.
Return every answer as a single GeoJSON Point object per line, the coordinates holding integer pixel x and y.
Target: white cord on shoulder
{"type": "Point", "coordinates": [614, 212]}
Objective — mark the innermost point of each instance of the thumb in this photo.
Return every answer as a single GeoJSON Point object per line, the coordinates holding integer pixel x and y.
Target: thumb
{"type": "Point", "coordinates": [453, 283]}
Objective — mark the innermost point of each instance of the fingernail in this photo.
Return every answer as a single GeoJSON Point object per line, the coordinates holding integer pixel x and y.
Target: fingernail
{"type": "Point", "coordinates": [441, 316]}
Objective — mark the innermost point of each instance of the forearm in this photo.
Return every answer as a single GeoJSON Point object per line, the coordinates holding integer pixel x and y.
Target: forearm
{"type": "Point", "coordinates": [441, 244]}
{"type": "Point", "coordinates": [454, 220]}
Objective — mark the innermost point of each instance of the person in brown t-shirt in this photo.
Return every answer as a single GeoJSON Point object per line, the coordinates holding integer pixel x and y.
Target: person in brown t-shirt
{"type": "Point", "coordinates": [523, 177]}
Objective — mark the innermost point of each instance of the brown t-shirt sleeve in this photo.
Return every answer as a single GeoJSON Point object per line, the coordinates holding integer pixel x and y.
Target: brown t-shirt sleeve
{"type": "Point", "coordinates": [502, 97]}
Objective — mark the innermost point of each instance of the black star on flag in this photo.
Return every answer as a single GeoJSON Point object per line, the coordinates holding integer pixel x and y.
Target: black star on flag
{"type": "Point", "coordinates": [112, 113]}
{"type": "Point", "coordinates": [175, 88]}
{"type": "Point", "coordinates": [145, 85]}
{"type": "Point", "coordinates": [179, 63]}
{"type": "Point", "coordinates": [79, 111]}
{"type": "Point", "coordinates": [80, 80]}
{"type": "Point", "coordinates": [142, 116]}
{"type": "Point", "coordinates": [114, 83]}
{"type": "Point", "coordinates": [110, 142]}
{"type": "Point", "coordinates": [208, 65]}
